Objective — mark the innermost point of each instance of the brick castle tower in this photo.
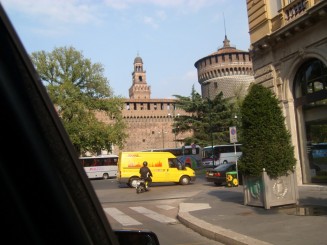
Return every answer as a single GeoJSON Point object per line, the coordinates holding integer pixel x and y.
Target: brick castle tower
{"type": "Point", "coordinates": [228, 70]}
{"type": "Point", "coordinates": [149, 121]}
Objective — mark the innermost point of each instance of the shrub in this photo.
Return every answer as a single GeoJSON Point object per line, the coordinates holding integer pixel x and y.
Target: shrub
{"type": "Point", "coordinates": [266, 141]}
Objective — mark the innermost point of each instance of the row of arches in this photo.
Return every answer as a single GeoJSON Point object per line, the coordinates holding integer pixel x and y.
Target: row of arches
{"type": "Point", "coordinates": [140, 87]}
{"type": "Point", "coordinates": [138, 68]}
{"type": "Point", "coordinates": [226, 72]}
{"type": "Point", "coordinates": [223, 58]}
{"type": "Point", "coordinates": [142, 117]}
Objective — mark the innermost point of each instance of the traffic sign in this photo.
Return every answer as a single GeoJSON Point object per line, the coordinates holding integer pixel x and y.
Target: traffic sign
{"type": "Point", "coordinates": [232, 134]}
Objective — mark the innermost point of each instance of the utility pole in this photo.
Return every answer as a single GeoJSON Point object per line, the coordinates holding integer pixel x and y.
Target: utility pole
{"type": "Point", "coordinates": [163, 136]}
{"type": "Point", "coordinates": [210, 125]}
{"type": "Point", "coordinates": [174, 129]}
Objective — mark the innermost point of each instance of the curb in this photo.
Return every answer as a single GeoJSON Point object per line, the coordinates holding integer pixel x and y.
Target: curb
{"type": "Point", "coordinates": [217, 233]}
{"type": "Point", "coordinates": [312, 187]}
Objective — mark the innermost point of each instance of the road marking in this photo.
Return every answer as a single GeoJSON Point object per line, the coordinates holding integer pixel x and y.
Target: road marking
{"type": "Point", "coordinates": [122, 218]}
{"type": "Point", "coordinates": [165, 207]}
{"type": "Point", "coordinates": [153, 215]}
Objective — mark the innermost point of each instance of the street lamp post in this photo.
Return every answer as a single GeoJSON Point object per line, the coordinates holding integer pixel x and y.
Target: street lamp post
{"type": "Point", "coordinates": [210, 125]}
{"type": "Point", "coordinates": [211, 135]}
{"type": "Point", "coordinates": [233, 139]}
{"type": "Point", "coordinates": [174, 129]}
{"type": "Point", "coordinates": [163, 137]}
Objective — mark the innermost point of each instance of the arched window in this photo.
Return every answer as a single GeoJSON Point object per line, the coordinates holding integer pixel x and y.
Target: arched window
{"type": "Point", "coordinates": [310, 86]}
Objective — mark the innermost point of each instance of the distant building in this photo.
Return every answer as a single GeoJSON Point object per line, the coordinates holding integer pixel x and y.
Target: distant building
{"type": "Point", "coordinates": [289, 54]}
{"type": "Point", "coordinates": [149, 121]}
{"type": "Point", "coordinates": [227, 70]}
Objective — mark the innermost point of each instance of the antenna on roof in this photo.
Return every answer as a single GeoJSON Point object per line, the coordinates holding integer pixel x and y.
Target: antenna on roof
{"type": "Point", "coordinates": [224, 24]}
{"type": "Point", "coordinates": [226, 41]}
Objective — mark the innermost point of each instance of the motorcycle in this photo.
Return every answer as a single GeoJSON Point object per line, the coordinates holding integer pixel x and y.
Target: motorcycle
{"type": "Point", "coordinates": [141, 186]}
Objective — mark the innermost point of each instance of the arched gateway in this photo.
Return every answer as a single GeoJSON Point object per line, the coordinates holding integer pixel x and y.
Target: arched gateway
{"type": "Point", "coordinates": [310, 101]}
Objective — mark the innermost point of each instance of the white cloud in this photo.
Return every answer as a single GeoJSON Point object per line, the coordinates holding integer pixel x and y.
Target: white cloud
{"type": "Point", "coordinates": [62, 11]}
{"type": "Point", "coordinates": [161, 15]}
{"type": "Point", "coordinates": [150, 21]}
{"type": "Point", "coordinates": [117, 4]}
{"type": "Point", "coordinates": [186, 5]}
{"type": "Point", "coordinates": [191, 75]}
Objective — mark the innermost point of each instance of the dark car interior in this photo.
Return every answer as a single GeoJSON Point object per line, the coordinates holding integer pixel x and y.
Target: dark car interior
{"type": "Point", "coordinates": [46, 195]}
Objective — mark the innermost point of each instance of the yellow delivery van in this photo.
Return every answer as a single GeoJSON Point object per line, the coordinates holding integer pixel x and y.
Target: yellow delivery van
{"type": "Point", "coordinates": [165, 167]}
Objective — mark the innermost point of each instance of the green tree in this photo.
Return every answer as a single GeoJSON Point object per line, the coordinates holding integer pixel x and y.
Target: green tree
{"type": "Point", "coordinates": [318, 133]}
{"type": "Point", "coordinates": [209, 120]}
{"type": "Point", "coordinates": [266, 141]}
{"type": "Point", "coordinates": [79, 90]}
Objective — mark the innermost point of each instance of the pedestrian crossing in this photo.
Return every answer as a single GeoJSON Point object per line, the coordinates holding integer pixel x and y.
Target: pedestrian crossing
{"type": "Point", "coordinates": [153, 215]}
{"type": "Point", "coordinates": [127, 220]}
{"type": "Point", "coordinates": [121, 218]}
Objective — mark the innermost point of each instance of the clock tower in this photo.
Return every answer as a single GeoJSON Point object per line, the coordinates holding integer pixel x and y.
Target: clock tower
{"type": "Point", "coordinates": [139, 88]}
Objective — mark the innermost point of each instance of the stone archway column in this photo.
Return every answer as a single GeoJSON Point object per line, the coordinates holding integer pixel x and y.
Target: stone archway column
{"type": "Point", "coordinates": [296, 126]}
{"type": "Point", "coordinates": [293, 120]}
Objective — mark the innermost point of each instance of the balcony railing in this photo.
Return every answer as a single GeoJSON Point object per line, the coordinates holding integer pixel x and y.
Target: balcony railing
{"type": "Point", "coordinates": [295, 9]}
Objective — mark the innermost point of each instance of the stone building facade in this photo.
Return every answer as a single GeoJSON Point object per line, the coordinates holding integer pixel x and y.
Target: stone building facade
{"type": "Point", "coordinates": [149, 121]}
{"type": "Point", "coordinates": [227, 70]}
{"type": "Point", "coordinates": [289, 54]}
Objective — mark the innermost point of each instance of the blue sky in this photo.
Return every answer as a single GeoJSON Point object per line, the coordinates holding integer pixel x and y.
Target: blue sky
{"type": "Point", "coordinates": [169, 35]}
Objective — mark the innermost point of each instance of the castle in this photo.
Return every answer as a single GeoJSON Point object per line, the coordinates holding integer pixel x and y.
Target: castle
{"type": "Point", "coordinates": [150, 121]}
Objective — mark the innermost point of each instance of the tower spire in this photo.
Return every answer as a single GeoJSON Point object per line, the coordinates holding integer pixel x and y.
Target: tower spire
{"type": "Point", "coordinates": [224, 25]}
{"type": "Point", "coordinates": [226, 41]}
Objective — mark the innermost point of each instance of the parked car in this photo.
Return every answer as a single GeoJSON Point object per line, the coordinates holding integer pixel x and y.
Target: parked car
{"type": "Point", "coordinates": [218, 174]}
{"type": "Point", "coordinates": [46, 197]}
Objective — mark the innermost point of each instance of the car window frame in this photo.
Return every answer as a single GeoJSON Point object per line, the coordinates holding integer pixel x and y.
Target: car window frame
{"type": "Point", "coordinates": [47, 197]}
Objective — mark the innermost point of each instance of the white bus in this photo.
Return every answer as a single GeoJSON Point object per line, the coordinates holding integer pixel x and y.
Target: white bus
{"type": "Point", "coordinates": [190, 155]}
{"type": "Point", "coordinates": [102, 166]}
{"type": "Point", "coordinates": [216, 155]}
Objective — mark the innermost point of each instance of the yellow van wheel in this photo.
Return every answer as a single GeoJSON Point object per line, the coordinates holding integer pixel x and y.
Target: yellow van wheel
{"type": "Point", "coordinates": [184, 180]}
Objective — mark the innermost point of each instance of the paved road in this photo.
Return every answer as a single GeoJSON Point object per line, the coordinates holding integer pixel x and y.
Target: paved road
{"type": "Point", "coordinates": [219, 214]}
{"type": "Point", "coordinates": [155, 210]}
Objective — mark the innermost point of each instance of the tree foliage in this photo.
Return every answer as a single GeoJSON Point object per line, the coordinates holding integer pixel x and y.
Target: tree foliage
{"type": "Point", "coordinates": [266, 141]}
{"type": "Point", "coordinates": [318, 133]}
{"type": "Point", "coordinates": [209, 120]}
{"type": "Point", "coordinates": [79, 90]}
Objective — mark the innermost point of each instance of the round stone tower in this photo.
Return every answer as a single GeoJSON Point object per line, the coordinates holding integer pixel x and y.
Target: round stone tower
{"type": "Point", "coordinates": [228, 70]}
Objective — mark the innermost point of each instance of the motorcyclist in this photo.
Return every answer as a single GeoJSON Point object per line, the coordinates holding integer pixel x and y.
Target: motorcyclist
{"type": "Point", "coordinates": [146, 174]}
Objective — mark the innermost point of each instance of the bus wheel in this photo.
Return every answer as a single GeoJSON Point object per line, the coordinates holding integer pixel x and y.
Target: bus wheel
{"type": "Point", "coordinates": [105, 176]}
{"type": "Point", "coordinates": [132, 182]}
{"type": "Point", "coordinates": [225, 162]}
{"type": "Point", "coordinates": [184, 180]}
